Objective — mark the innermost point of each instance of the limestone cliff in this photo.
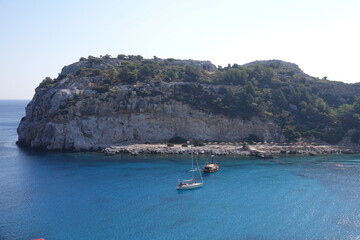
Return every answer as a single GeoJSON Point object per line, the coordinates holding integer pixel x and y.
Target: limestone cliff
{"type": "Point", "coordinates": [100, 102]}
{"type": "Point", "coordinates": [71, 117]}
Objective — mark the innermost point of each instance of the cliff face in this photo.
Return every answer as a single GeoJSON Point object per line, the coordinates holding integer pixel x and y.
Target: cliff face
{"type": "Point", "coordinates": [100, 102]}
{"type": "Point", "coordinates": [71, 117]}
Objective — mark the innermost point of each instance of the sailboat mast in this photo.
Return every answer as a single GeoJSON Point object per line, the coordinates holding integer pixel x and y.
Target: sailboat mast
{"type": "Point", "coordinates": [198, 169]}
{"type": "Point", "coordinates": [192, 162]}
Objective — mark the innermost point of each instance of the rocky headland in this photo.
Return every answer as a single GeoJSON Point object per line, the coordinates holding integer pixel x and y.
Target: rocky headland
{"type": "Point", "coordinates": [129, 104]}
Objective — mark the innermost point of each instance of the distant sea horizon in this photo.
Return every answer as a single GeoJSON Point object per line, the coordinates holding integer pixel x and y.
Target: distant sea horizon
{"type": "Point", "coordinates": [56, 195]}
{"type": "Point", "coordinates": [15, 99]}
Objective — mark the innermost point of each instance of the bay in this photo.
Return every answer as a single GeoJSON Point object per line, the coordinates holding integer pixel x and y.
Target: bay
{"type": "Point", "coordinates": [91, 196]}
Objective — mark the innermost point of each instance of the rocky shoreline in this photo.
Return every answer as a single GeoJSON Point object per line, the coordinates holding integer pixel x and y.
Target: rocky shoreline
{"type": "Point", "coordinates": [263, 150]}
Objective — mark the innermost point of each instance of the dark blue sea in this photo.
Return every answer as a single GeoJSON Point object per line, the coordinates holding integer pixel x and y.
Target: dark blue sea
{"type": "Point", "coordinates": [91, 196]}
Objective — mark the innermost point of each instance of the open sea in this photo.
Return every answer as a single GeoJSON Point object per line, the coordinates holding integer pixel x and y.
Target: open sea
{"type": "Point", "coordinates": [91, 196]}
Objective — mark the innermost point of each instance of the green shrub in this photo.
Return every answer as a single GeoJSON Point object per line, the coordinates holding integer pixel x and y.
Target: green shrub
{"type": "Point", "coordinates": [245, 146]}
{"type": "Point", "coordinates": [88, 72]}
{"type": "Point", "coordinates": [355, 137]}
{"type": "Point", "coordinates": [46, 83]}
{"type": "Point", "coordinates": [143, 92]}
{"type": "Point", "coordinates": [147, 70]}
{"type": "Point", "coordinates": [198, 143]}
{"type": "Point", "coordinates": [333, 136]}
{"type": "Point", "coordinates": [177, 140]}
{"type": "Point", "coordinates": [291, 133]}
{"type": "Point", "coordinates": [170, 145]}
{"type": "Point", "coordinates": [127, 75]}
{"type": "Point", "coordinates": [184, 145]}
{"type": "Point", "coordinates": [102, 89]}
{"type": "Point", "coordinates": [121, 56]}
{"type": "Point", "coordinates": [253, 138]}
{"type": "Point", "coordinates": [95, 59]}
{"type": "Point", "coordinates": [193, 74]}
{"type": "Point", "coordinates": [107, 56]}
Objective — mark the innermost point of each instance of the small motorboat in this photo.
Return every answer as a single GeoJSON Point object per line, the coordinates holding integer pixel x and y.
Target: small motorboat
{"type": "Point", "coordinates": [211, 166]}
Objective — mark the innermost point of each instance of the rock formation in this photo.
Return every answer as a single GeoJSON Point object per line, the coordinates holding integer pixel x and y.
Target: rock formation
{"type": "Point", "coordinates": [72, 117]}
{"type": "Point", "coordinates": [96, 103]}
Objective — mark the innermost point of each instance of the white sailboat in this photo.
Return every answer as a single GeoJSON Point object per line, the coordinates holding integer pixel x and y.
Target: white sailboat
{"type": "Point", "coordinates": [191, 183]}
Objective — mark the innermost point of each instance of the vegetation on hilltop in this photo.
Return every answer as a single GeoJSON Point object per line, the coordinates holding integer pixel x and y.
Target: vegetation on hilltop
{"type": "Point", "coordinates": [303, 106]}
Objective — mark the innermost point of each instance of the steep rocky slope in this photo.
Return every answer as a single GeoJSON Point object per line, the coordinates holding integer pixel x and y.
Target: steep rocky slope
{"type": "Point", "coordinates": [100, 102]}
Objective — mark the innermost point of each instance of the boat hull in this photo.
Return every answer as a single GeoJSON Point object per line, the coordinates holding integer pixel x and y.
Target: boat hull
{"type": "Point", "coordinates": [189, 186]}
{"type": "Point", "coordinates": [209, 168]}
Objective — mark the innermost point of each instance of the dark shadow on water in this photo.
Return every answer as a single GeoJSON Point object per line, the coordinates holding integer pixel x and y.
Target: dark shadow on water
{"type": "Point", "coordinates": [211, 175]}
{"type": "Point", "coordinates": [277, 161]}
{"type": "Point", "coordinates": [264, 164]}
{"type": "Point", "coordinates": [181, 221]}
{"type": "Point", "coordinates": [301, 175]}
{"type": "Point", "coordinates": [175, 198]}
{"type": "Point", "coordinates": [92, 165]}
{"type": "Point", "coordinates": [151, 168]}
{"type": "Point", "coordinates": [270, 177]}
{"type": "Point", "coordinates": [127, 175]}
{"type": "Point", "coordinates": [69, 175]}
{"type": "Point", "coordinates": [61, 168]}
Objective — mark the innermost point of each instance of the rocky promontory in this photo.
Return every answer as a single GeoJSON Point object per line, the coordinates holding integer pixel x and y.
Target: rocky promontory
{"type": "Point", "coordinates": [99, 103]}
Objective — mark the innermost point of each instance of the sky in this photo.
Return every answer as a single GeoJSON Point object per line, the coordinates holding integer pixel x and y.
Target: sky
{"type": "Point", "coordinates": [39, 37]}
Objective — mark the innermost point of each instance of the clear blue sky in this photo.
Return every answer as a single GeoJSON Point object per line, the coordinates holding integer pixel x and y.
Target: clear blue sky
{"type": "Point", "coordinates": [39, 37]}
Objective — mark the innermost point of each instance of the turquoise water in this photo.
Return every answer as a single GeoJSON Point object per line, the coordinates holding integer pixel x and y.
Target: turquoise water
{"type": "Point", "coordinates": [90, 196]}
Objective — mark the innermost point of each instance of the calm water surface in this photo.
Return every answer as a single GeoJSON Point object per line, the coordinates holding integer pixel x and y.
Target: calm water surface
{"type": "Point", "coordinates": [90, 196]}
